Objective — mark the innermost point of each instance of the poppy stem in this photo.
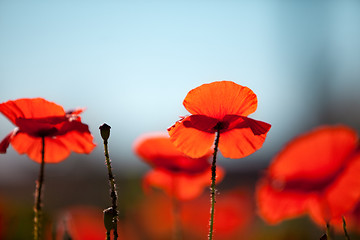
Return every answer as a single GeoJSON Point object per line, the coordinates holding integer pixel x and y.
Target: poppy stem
{"type": "Point", "coordinates": [112, 212]}
{"type": "Point", "coordinates": [347, 237]}
{"type": "Point", "coordinates": [108, 235]}
{"type": "Point", "coordinates": [213, 183]}
{"type": "Point", "coordinates": [37, 204]}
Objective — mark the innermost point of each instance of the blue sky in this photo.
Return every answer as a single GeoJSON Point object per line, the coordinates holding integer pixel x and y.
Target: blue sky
{"type": "Point", "coordinates": [131, 63]}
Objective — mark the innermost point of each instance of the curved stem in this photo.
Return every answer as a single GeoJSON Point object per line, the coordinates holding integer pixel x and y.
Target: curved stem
{"type": "Point", "coordinates": [38, 189]}
{"type": "Point", "coordinates": [213, 183]}
{"type": "Point", "coordinates": [347, 237]}
{"type": "Point", "coordinates": [113, 193]}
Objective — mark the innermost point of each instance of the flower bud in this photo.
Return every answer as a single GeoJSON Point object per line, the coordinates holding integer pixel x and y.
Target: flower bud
{"type": "Point", "coordinates": [109, 216]}
{"type": "Point", "coordinates": [105, 131]}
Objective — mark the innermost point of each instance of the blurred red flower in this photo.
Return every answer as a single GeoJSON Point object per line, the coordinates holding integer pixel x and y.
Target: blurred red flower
{"type": "Point", "coordinates": [80, 223]}
{"type": "Point", "coordinates": [353, 219]}
{"type": "Point", "coordinates": [84, 223]}
{"type": "Point", "coordinates": [36, 118]}
{"type": "Point", "coordinates": [177, 174]}
{"type": "Point", "coordinates": [154, 217]}
{"type": "Point", "coordinates": [316, 173]}
{"type": "Point", "coordinates": [234, 215]}
{"type": "Point", "coordinates": [223, 106]}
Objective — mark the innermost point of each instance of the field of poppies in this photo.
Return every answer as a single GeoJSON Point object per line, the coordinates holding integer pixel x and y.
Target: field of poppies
{"type": "Point", "coordinates": [309, 190]}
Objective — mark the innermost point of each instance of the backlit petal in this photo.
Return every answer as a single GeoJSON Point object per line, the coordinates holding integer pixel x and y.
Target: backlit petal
{"type": "Point", "coordinates": [6, 141]}
{"type": "Point", "coordinates": [201, 122]}
{"type": "Point", "coordinates": [190, 141]}
{"type": "Point", "coordinates": [257, 127]}
{"type": "Point", "coordinates": [158, 151]}
{"type": "Point", "coordinates": [55, 150]}
{"type": "Point", "coordinates": [344, 193]}
{"type": "Point", "coordinates": [180, 185]}
{"type": "Point", "coordinates": [277, 205]}
{"type": "Point", "coordinates": [218, 99]}
{"type": "Point", "coordinates": [154, 146]}
{"type": "Point", "coordinates": [77, 126]}
{"type": "Point", "coordinates": [315, 156]}
{"type": "Point", "coordinates": [30, 108]}
{"type": "Point", "coordinates": [79, 142]}
{"type": "Point", "coordinates": [239, 143]}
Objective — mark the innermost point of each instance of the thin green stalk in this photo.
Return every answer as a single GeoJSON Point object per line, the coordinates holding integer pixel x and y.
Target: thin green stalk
{"type": "Point", "coordinates": [347, 237]}
{"type": "Point", "coordinates": [213, 184]}
{"type": "Point", "coordinates": [38, 189]}
{"type": "Point", "coordinates": [112, 212]}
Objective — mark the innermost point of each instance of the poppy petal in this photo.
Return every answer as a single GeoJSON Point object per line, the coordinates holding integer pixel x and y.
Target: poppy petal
{"type": "Point", "coordinates": [76, 111]}
{"type": "Point", "coordinates": [158, 151]}
{"type": "Point", "coordinates": [30, 108]}
{"type": "Point", "coordinates": [276, 205]}
{"type": "Point", "coordinates": [6, 141]}
{"type": "Point", "coordinates": [344, 193]}
{"type": "Point", "coordinates": [55, 150]}
{"type": "Point", "coordinates": [151, 147]}
{"type": "Point", "coordinates": [315, 157]}
{"type": "Point", "coordinates": [190, 141]}
{"type": "Point", "coordinates": [218, 99]}
{"type": "Point", "coordinates": [77, 126]}
{"type": "Point", "coordinates": [257, 127]}
{"type": "Point", "coordinates": [201, 122]}
{"type": "Point", "coordinates": [180, 185]}
{"type": "Point", "coordinates": [239, 143]}
{"type": "Point", "coordinates": [79, 142]}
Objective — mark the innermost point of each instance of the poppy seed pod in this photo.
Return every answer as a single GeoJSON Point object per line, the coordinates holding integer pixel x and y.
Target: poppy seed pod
{"type": "Point", "coordinates": [105, 131]}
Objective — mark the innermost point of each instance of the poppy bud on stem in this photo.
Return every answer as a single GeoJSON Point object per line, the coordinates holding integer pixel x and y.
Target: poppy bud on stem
{"type": "Point", "coordinates": [105, 132]}
{"type": "Point", "coordinates": [110, 214]}
{"type": "Point", "coordinates": [212, 187]}
{"type": "Point", "coordinates": [37, 204]}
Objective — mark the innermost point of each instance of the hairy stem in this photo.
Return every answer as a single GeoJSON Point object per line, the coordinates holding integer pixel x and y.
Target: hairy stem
{"type": "Point", "coordinates": [38, 190]}
{"type": "Point", "coordinates": [113, 193]}
{"type": "Point", "coordinates": [213, 183]}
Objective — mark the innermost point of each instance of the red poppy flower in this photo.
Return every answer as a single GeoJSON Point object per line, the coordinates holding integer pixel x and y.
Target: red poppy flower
{"type": "Point", "coordinates": [177, 174]}
{"type": "Point", "coordinates": [36, 118]}
{"type": "Point", "coordinates": [316, 173]}
{"type": "Point", "coordinates": [222, 106]}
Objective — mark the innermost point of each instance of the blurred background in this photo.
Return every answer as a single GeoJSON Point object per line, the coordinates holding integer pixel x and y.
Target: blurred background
{"type": "Point", "coordinates": [131, 64]}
